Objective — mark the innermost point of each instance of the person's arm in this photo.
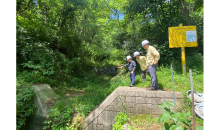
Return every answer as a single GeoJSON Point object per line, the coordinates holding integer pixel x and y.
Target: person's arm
{"type": "Point", "coordinates": [124, 65]}
{"type": "Point", "coordinates": [133, 69]}
{"type": "Point", "coordinates": [156, 55]}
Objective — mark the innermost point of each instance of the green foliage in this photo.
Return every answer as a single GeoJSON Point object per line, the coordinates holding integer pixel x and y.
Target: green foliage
{"type": "Point", "coordinates": [142, 121]}
{"type": "Point", "coordinates": [174, 121]}
{"type": "Point", "coordinates": [120, 119]}
{"type": "Point", "coordinates": [59, 116]}
{"type": "Point", "coordinates": [195, 62]}
{"type": "Point", "coordinates": [24, 102]}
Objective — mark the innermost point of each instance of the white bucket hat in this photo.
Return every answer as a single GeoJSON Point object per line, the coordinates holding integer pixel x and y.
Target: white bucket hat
{"type": "Point", "coordinates": [128, 57]}
{"type": "Point", "coordinates": [136, 53]}
{"type": "Point", "coordinates": [145, 42]}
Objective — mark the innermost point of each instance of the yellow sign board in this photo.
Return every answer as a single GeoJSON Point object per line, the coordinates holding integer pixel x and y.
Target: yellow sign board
{"type": "Point", "coordinates": [185, 36]}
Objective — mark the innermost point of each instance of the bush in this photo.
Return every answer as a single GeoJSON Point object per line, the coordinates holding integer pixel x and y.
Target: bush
{"type": "Point", "coordinates": [195, 62]}
{"type": "Point", "coordinates": [120, 119]}
{"type": "Point", "coordinates": [179, 120]}
{"type": "Point", "coordinates": [59, 116]}
{"type": "Point", "coordinates": [24, 102]}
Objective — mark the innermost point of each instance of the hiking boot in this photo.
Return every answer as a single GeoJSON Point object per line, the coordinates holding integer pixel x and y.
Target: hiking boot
{"type": "Point", "coordinates": [151, 89]}
{"type": "Point", "coordinates": [156, 88]}
{"type": "Point", "coordinates": [130, 85]}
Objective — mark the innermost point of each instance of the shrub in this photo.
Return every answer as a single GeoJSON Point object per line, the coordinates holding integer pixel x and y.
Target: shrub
{"type": "Point", "coordinates": [24, 102]}
{"type": "Point", "coordinates": [59, 116]}
{"type": "Point", "coordinates": [173, 120]}
{"type": "Point", "coordinates": [120, 119]}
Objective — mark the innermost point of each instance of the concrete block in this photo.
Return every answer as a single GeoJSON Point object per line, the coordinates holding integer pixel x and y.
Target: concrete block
{"type": "Point", "coordinates": [131, 110]}
{"type": "Point", "coordinates": [110, 108]}
{"type": "Point", "coordinates": [130, 93]}
{"type": "Point", "coordinates": [130, 99]}
{"type": "Point", "coordinates": [179, 95]}
{"type": "Point", "coordinates": [148, 100]}
{"type": "Point", "coordinates": [130, 105]}
{"type": "Point", "coordinates": [121, 99]}
{"type": "Point", "coordinates": [114, 103]}
{"type": "Point", "coordinates": [108, 127]}
{"type": "Point", "coordinates": [140, 108]}
{"type": "Point", "coordinates": [156, 110]}
{"type": "Point", "coordinates": [100, 119]}
{"type": "Point", "coordinates": [120, 108]}
{"type": "Point", "coordinates": [94, 127]}
{"type": "Point", "coordinates": [89, 127]}
{"type": "Point", "coordinates": [141, 94]}
{"type": "Point", "coordinates": [108, 117]}
{"type": "Point", "coordinates": [95, 122]}
{"type": "Point", "coordinates": [150, 94]}
{"type": "Point", "coordinates": [100, 127]}
{"type": "Point", "coordinates": [169, 99]}
{"type": "Point", "coordinates": [140, 100]}
{"type": "Point", "coordinates": [156, 101]}
{"type": "Point", "coordinates": [161, 94]}
{"type": "Point", "coordinates": [128, 110]}
{"type": "Point", "coordinates": [169, 94]}
{"type": "Point", "coordinates": [147, 109]}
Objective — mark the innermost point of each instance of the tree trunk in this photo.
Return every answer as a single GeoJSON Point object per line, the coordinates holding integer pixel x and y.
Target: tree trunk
{"type": "Point", "coordinates": [185, 12]}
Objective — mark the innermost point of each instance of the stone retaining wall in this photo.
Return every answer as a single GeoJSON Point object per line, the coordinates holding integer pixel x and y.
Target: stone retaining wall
{"type": "Point", "coordinates": [134, 100]}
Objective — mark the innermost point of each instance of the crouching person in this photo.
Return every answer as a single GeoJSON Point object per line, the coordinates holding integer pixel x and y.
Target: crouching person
{"type": "Point", "coordinates": [132, 66]}
{"type": "Point", "coordinates": [143, 65]}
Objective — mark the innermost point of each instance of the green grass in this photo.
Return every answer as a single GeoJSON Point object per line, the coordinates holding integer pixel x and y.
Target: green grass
{"type": "Point", "coordinates": [143, 121]}
{"type": "Point", "coordinates": [164, 75]}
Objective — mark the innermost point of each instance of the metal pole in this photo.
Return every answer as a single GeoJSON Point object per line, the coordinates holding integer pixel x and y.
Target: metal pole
{"type": "Point", "coordinates": [183, 58]}
{"type": "Point", "coordinates": [173, 88]}
{"type": "Point", "coordinates": [193, 106]}
{"type": "Point", "coordinates": [183, 61]}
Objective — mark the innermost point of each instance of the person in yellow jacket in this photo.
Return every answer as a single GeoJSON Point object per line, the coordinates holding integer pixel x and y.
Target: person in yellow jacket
{"type": "Point", "coordinates": [142, 62]}
{"type": "Point", "coordinates": [152, 58]}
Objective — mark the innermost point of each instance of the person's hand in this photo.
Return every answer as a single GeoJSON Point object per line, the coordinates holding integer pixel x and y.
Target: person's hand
{"type": "Point", "coordinates": [121, 67]}
{"type": "Point", "coordinates": [155, 63]}
{"type": "Point", "coordinates": [132, 72]}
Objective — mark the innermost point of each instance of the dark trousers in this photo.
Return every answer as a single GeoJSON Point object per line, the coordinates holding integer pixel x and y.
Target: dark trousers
{"type": "Point", "coordinates": [132, 78]}
{"type": "Point", "coordinates": [144, 74]}
{"type": "Point", "coordinates": [154, 81]}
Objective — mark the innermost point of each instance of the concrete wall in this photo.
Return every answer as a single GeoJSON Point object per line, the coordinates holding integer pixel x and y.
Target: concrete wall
{"type": "Point", "coordinates": [136, 101]}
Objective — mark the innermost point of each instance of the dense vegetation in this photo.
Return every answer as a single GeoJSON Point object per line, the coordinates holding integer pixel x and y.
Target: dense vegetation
{"type": "Point", "coordinates": [59, 42]}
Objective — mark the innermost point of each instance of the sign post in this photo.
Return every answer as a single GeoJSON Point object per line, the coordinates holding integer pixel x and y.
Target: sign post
{"type": "Point", "coordinates": [182, 36]}
{"type": "Point", "coordinates": [183, 57]}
